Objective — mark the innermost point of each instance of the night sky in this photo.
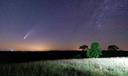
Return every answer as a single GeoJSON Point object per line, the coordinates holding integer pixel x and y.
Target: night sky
{"type": "Point", "coordinates": [62, 24]}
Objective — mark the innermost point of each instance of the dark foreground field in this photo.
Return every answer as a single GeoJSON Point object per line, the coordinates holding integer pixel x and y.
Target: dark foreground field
{"type": "Point", "coordinates": [19, 56]}
{"type": "Point", "coordinates": [64, 63]}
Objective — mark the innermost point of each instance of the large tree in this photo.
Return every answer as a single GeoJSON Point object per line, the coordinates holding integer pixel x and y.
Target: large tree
{"type": "Point", "coordinates": [94, 51]}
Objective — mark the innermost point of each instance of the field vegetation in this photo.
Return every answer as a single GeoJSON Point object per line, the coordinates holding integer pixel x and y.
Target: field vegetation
{"type": "Point", "coordinates": [70, 67]}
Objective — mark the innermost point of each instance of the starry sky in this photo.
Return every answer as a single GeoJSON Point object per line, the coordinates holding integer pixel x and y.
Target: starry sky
{"type": "Point", "coordinates": [62, 24]}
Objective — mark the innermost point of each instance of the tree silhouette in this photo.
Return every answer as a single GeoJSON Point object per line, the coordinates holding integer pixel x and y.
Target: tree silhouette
{"type": "Point", "coordinates": [83, 47]}
{"type": "Point", "coordinates": [94, 51]}
{"type": "Point", "coordinates": [113, 47]}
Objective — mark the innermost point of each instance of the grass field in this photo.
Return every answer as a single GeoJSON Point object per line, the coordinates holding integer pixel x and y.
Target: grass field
{"type": "Point", "coordinates": [70, 67]}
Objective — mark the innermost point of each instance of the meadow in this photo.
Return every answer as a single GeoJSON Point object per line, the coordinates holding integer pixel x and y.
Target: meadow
{"type": "Point", "coordinates": [117, 66]}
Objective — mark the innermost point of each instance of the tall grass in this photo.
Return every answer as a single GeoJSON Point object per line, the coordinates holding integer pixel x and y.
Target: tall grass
{"type": "Point", "coordinates": [71, 67]}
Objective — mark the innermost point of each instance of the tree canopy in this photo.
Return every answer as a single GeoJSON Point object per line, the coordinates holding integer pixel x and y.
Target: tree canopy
{"type": "Point", "coordinates": [94, 51]}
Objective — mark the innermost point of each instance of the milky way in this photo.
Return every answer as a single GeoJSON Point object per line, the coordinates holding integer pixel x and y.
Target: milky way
{"type": "Point", "coordinates": [63, 24]}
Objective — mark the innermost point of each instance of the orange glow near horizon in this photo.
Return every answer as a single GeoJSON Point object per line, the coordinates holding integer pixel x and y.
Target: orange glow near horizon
{"type": "Point", "coordinates": [26, 47]}
{"type": "Point", "coordinates": [34, 48]}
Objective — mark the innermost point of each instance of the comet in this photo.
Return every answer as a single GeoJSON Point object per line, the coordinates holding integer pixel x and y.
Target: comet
{"type": "Point", "coordinates": [26, 35]}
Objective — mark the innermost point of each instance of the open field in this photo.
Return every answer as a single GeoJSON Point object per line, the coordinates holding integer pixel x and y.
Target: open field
{"type": "Point", "coordinates": [25, 56]}
{"type": "Point", "coordinates": [68, 67]}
